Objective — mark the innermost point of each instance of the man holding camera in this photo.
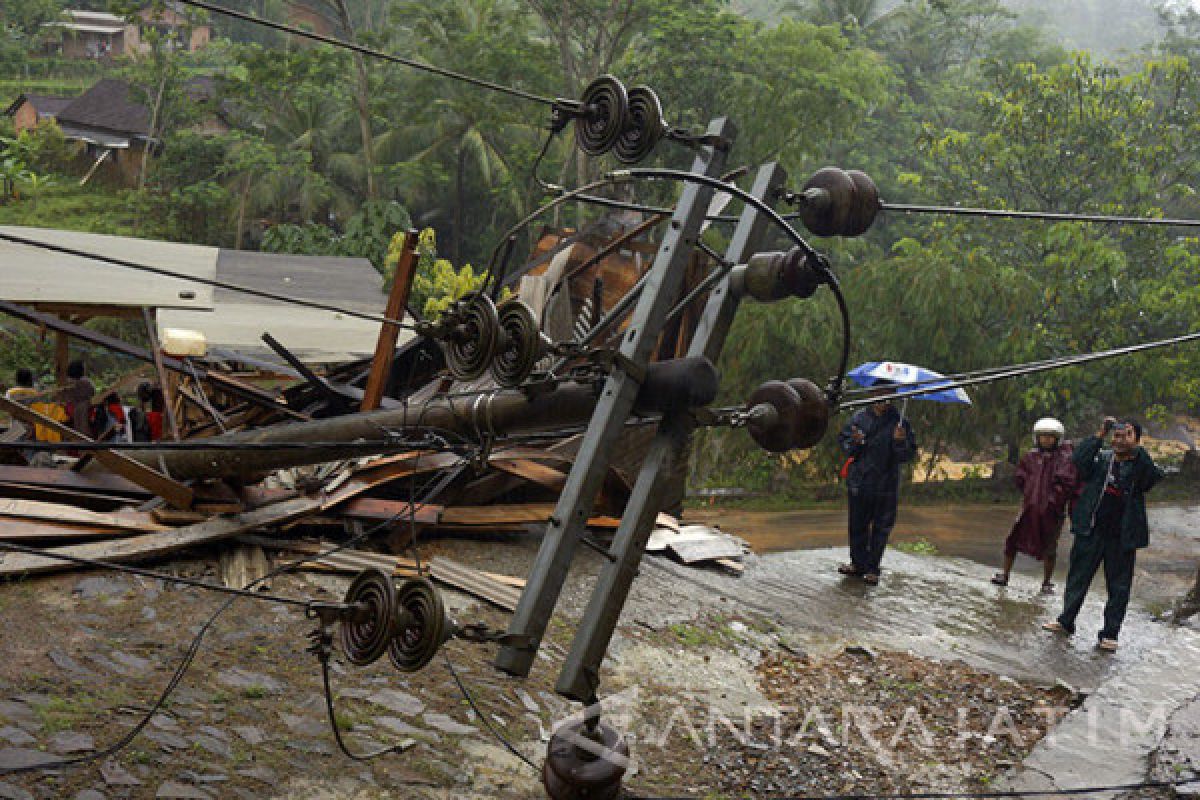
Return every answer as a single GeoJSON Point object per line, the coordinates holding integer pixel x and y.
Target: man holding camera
{"type": "Point", "coordinates": [1109, 523]}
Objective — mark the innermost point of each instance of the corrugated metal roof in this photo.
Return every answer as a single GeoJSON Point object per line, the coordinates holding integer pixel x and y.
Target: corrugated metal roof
{"type": "Point", "coordinates": [227, 318]}
{"type": "Point", "coordinates": [32, 275]}
{"type": "Point", "coordinates": [238, 321]}
{"type": "Point", "coordinates": [80, 27]}
{"type": "Point", "coordinates": [346, 282]}
{"type": "Point", "coordinates": [311, 335]}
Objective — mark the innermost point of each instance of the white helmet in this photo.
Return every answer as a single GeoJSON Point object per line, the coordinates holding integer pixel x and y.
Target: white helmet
{"type": "Point", "coordinates": [1048, 425]}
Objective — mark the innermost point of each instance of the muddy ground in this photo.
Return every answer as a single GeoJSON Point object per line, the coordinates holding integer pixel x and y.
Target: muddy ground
{"type": "Point", "coordinates": [728, 687]}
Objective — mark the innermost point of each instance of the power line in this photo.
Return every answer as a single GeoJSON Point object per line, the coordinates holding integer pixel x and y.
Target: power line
{"type": "Point", "coordinates": [1018, 370]}
{"type": "Point", "coordinates": [1052, 216]}
{"type": "Point", "coordinates": [216, 284]}
{"type": "Point", "coordinates": [367, 51]}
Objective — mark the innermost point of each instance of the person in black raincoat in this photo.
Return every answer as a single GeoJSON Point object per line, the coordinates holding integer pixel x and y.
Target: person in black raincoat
{"type": "Point", "coordinates": [1109, 523]}
{"type": "Point", "coordinates": [877, 442]}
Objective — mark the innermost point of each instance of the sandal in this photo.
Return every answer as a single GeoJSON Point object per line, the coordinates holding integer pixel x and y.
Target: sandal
{"type": "Point", "coordinates": [1000, 579]}
{"type": "Point", "coordinates": [871, 578]}
{"type": "Point", "coordinates": [849, 569]}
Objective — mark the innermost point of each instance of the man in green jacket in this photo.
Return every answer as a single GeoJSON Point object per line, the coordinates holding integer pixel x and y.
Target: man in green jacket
{"type": "Point", "coordinates": [1109, 523]}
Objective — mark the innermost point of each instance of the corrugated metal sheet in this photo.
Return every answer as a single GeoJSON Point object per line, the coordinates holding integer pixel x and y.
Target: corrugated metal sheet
{"type": "Point", "coordinates": [313, 336]}
{"type": "Point", "coordinates": [238, 321]}
{"type": "Point", "coordinates": [32, 275]}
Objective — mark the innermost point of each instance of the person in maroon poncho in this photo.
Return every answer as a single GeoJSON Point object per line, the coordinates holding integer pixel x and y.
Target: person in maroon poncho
{"type": "Point", "coordinates": [1047, 478]}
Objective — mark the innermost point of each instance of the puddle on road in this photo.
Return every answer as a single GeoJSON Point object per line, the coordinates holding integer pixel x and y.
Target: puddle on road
{"type": "Point", "coordinates": [1166, 569]}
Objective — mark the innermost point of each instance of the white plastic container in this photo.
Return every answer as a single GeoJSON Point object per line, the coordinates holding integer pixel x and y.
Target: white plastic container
{"type": "Point", "coordinates": [179, 343]}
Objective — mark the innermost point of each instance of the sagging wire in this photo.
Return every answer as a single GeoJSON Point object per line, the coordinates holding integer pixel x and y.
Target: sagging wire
{"type": "Point", "coordinates": [1049, 216]}
{"type": "Point", "coordinates": [1017, 370]}
{"type": "Point", "coordinates": [367, 51]}
{"type": "Point", "coordinates": [369, 447]}
{"type": "Point", "coordinates": [194, 647]}
{"type": "Point", "coordinates": [692, 140]}
{"type": "Point", "coordinates": [445, 480]}
{"type": "Point", "coordinates": [462, 688]}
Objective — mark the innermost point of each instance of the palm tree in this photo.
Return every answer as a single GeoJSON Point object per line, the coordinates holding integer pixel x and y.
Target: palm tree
{"type": "Point", "coordinates": [468, 132]}
{"type": "Point", "coordinates": [849, 14]}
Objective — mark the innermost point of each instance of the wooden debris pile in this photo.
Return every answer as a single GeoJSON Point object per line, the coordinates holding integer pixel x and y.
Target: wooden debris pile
{"type": "Point", "coordinates": [104, 505]}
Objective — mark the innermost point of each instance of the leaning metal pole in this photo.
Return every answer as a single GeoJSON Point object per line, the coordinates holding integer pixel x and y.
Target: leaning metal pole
{"type": "Point", "coordinates": [566, 526]}
{"type": "Point", "coordinates": [579, 678]}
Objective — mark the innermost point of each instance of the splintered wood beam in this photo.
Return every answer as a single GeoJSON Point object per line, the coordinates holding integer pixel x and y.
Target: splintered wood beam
{"type": "Point", "coordinates": [172, 491]}
{"type": "Point", "coordinates": [163, 381]}
{"type": "Point", "coordinates": [385, 347]}
{"type": "Point", "coordinates": [51, 478]}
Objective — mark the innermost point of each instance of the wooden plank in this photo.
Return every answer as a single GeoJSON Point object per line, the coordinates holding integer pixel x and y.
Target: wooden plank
{"type": "Point", "coordinates": [385, 346]}
{"type": "Point", "coordinates": [48, 494]}
{"type": "Point", "coordinates": [514, 514]}
{"type": "Point", "coordinates": [242, 565]}
{"type": "Point", "coordinates": [124, 519]}
{"type": "Point", "coordinates": [173, 492]}
{"type": "Point", "coordinates": [152, 545]}
{"type": "Point", "coordinates": [66, 479]}
{"type": "Point", "coordinates": [164, 383]}
{"type": "Point", "coordinates": [379, 509]}
{"type": "Point", "coordinates": [531, 471]}
{"type": "Point", "coordinates": [735, 567]}
{"type": "Point", "coordinates": [23, 530]}
{"type": "Point", "coordinates": [380, 474]}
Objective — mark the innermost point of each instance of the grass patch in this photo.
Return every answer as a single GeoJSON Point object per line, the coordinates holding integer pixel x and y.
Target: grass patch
{"type": "Point", "coordinates": [66, 205]}
{"type": "Point", "coordinates": [920, 547]}
{"type": "Point", "coordinates": [705, 633]}
{"type": "Point", "coordinates": [64, 713]}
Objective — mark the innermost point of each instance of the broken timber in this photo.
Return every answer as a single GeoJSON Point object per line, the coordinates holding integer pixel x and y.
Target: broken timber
{"type": "Point", "coordinates": [170, 490]}
{"type": "Point", "coordinates": [152, 545]}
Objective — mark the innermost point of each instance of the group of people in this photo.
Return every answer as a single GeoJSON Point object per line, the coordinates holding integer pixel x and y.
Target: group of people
{"type": "Point", "coordinates": [72, 403]}
{"type": "Point", "coordinates": [1100, 483]}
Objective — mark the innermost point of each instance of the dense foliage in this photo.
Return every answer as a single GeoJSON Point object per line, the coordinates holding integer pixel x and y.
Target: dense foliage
{"type": "Point", "coordinates": [970, 102]}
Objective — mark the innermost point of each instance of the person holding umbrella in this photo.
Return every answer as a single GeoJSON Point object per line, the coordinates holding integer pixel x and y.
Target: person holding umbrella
{"type": "Point", "coordinates": [877, 441]}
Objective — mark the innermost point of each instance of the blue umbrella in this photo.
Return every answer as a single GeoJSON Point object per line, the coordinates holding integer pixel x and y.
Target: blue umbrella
{"type": "Point", "coordinates": [895, 372]}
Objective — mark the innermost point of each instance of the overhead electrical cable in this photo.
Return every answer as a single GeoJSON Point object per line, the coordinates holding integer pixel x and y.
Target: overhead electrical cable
{"type": "Point", "coordinates": [512, 91]}
{"type": "Point", "coordinates": [1018, 370]}
{"type": "Point", "coordinates": [213, 282]}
